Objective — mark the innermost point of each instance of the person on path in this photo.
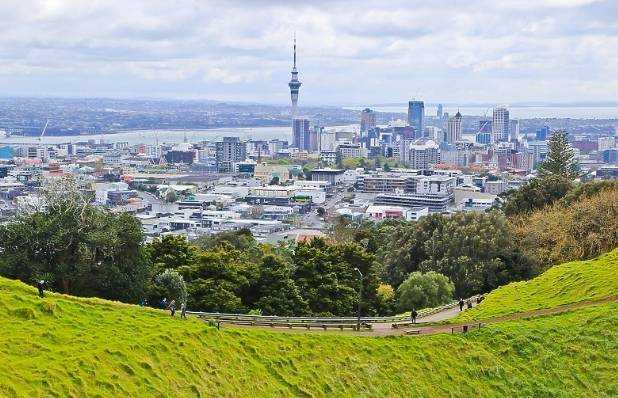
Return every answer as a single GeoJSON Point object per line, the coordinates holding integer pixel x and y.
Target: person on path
{"type": "Point", "coordinates": [461, 304]}
{"type": "Point", "coordinates": [183, 310]}
{"type": "Point", "coordinates": [41, 285]}
{"type": "Point", "coordinates": [479, 299]}
{"type": "Point", "coordinates": [413, 315]}
{"type": "Point", "coordinates": [469, 303]}
{"type": "Point", "coordinates": [164, 303]}
{"type": "Point", "coordinates": [172, 307]}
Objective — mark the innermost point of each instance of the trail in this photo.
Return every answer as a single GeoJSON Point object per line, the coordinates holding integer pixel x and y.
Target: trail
{"type": "Point", "coordinates": [449, 314]}
{"type": "Point", "coordinates": [424, 326]}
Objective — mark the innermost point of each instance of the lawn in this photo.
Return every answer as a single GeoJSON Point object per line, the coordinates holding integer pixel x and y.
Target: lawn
{"type": "Point", "coordinates": [67, 346]}
{"type": "Point", "coordinates": [560, 285]}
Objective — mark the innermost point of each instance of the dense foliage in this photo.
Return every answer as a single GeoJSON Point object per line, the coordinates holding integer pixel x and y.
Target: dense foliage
{"type": "Point", "coordinates": [75, 247]}
{"type": "Point", "coordinates": [424, 290]}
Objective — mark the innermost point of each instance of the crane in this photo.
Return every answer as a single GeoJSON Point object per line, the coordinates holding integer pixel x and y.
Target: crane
{"type": "Point", "coordinates": [44, 129]}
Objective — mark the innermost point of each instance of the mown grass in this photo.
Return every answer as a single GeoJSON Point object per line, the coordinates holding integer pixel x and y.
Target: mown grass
{"type": "Point", "coordinates": [561, 284]}
{"type": "Point", "coordinates": [65, 346]}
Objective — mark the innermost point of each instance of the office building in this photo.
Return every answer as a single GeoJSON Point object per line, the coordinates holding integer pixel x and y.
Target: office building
{"type": "Point", "coordinates": [416, 117]}
{"type": "Point", "coordinates": [542, 134]}
{"type": "Point", "coordinates": [440, 111]}
{"type": "Point", "coordinates": [301, 134]}
{"type": "Point", "coordinates": [500, 125]}
{"type": "Point", "coordinates": [368, 120]}
{"type": "Point", "coordinates": [453, 131]}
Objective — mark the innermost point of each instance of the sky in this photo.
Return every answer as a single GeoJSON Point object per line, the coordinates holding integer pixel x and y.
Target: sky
{"type": "Point", "coordinates": [349, 52]}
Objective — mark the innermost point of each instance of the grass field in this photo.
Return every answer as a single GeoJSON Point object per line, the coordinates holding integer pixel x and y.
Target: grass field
{"type": "Point", "coordinates": [66, 346]}
{"type": "Point", "coordinates": [561, 284]}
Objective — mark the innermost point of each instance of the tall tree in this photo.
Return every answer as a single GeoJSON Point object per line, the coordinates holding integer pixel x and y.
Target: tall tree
{"type": "Point", "coordinates": [560, 159]}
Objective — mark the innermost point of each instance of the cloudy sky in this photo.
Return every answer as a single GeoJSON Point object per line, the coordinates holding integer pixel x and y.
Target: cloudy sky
{"type": "Point", "coordinates": [350, 52]}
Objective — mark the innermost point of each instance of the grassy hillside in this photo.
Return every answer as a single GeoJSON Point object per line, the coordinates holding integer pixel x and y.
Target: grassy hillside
{"type": "Point", "coordinates": [562, 284]}
{"type": "Point", "coordinates": [65, 346]}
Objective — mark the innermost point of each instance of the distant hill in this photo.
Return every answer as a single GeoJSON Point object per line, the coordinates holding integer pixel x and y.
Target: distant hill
{"type": "Point", "coordinates": [67, 346]}
{"type": "Point", "coordinates": [560, 285]}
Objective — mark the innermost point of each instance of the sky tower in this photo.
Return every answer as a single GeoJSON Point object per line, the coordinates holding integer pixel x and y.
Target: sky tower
{"type": "Point", "coordinates": [294, 84]}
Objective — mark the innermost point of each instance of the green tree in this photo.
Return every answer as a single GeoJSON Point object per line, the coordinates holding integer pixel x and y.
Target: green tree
{"type": "Point", "coordinates": [87, 250]}
{"type": "Point", "coordinates": [173, 285]}
{"type": "Point", "coordinates": [219, 279]}
{"type": "Point", "coordinates": [277, 292]}
{"type": "Point", "coordinates": [560, 159]}
{"type": "Point", "coordinates": [424, 290]}
{"type": "Point", "coordinates": [536, 194]}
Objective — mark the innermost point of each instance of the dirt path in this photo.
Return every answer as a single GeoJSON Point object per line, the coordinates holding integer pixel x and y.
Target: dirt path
{"type": "Point", "coordinates": [432, 329]}
{"type": "Point", "coordinates": [385, 329]}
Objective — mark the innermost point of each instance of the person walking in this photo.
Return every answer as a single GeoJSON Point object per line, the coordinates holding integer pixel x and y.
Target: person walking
{"type": "Point", "coordinates": [413, 315]}
{"type": "Point", "coordinates": [172, 307]}
{"type": "Point", "coordinates": [164, 303]}
{"type": "Point", "coordinates": [183, 310]}
{"type": "Point", "coordinates": [41, 285]}
{"type": "Point", "coordinates": [461, 304]}
{"type": "Point", "coordinates": [469, 303]}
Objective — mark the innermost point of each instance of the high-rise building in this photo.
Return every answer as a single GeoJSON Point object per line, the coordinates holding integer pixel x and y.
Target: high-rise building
{"type": "Point", "coordinates": [301, 134]}
{"type": "Point", "coordinates": [419, 154]}
{"type": "Point", "coordinates": [416, 117]}
{"type": "Point", "coordinates": [440, 111]}
{"type": "Point", "coordinates": [294, 84]}
{"type": "Point", "coordinates": [368, 120]}
{"type": "Point", "coordinates": [513, 130]}
{"type": "Point", "coordinates": [453, 131]}
{"type": "Point", "coordinates": [500, 125]}
{"type": "Point", "coordinates": [542, 134]}
{"type": "Point", "coordinates": [228, 152]}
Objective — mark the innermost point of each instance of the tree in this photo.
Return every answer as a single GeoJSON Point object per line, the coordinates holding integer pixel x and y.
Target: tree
{"type": "Point", "coordinates": [173, 285]}
{"type": "Point", "coordinates": [277, 292]}
{"type": "Point", "coordinates": [578, 229]}
{"type": "Point", "coordinates": [424, 290]}
{"type": "Point", "coordinates": [219, 279]}
{"type": "Point", "coordinates": [88, 250]}
{"type": "Point", "coordinates": [560, 159]}
{"type": "Point", "coordinates": [536, 194]}
{"type": "Point", "coordinates": [385, 298]}
{"type": "Point", "coordinates": [170, 196]}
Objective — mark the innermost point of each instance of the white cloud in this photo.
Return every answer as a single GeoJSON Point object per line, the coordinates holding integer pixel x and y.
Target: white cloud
{"type": "Point", "coordinates": [349, 51]}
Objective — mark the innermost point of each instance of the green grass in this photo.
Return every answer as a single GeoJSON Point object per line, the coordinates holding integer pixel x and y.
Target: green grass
{"type": "Point", "coordinates": [65, 346]}
{"type": "Point", "coordinates": [562, 284]}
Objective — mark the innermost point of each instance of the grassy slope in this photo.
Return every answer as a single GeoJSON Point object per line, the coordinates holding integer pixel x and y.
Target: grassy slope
{"type": "Point", "coordinates": [561, 284]}
{"type": "Point", "coordinates": [67, 346]}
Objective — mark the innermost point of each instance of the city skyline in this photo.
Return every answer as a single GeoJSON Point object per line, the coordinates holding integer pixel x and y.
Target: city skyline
{"type": "Point", "coordinates": [516, 51]}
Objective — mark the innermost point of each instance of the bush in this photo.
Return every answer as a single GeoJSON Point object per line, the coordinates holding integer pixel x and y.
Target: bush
{"type": "Point", "coordinates": [424, 290]}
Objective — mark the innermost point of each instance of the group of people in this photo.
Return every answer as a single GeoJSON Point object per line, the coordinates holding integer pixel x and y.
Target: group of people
{"type": "Point", "coordinates": [468, 303]}
{"type": "Point", "coordinates": [171, 306]}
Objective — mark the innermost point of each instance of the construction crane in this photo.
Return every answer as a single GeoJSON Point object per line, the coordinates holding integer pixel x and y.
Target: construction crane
{"type": "Point", "coordinates": [44, 129]}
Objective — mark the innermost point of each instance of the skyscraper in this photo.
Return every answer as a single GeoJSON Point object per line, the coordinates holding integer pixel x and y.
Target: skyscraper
{"type": "Point", "coordinates": [301, 134]}
{"type": "Point", "coordinates": [294, 84]}
{"type": "Point", "coordinates": [440, 111]}
{"type": "Point", "coordinates": [500, 126]}
{"type": "Point", "coordinates": [416, 117]}
{"type": "Point", "coordinates": [368, 120]}
{"type": "Point", "coordinates": [453, 132]}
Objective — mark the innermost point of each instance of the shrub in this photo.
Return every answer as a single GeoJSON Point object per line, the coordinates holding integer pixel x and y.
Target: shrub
{"type": "Point", "coordinates": [423, 290]}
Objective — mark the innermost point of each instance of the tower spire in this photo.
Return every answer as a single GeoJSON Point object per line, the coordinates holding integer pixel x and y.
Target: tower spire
{"type": "Point", "coordinates": [294, 83]}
